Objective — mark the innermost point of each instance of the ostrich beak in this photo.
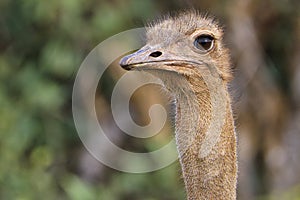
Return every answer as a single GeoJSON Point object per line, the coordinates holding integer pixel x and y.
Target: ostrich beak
{"type": "Point", "coordinates": [154, 58]}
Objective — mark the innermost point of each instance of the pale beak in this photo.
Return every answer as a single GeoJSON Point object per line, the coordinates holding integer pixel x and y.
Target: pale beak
{"type": "Point", "coordinates": [155, 58]}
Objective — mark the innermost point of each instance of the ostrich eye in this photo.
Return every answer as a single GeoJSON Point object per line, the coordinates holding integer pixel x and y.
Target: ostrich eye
{"type": "Point", "coordinates": [204, 42]}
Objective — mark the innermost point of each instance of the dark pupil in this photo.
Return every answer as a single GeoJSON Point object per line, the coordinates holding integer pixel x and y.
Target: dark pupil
{"type": "Point", "coordinates": [204, 42]}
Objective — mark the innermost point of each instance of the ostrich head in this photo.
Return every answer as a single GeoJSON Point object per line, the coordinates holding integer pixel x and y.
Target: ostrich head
{"type": "Point", "coordinates": [182, 44]}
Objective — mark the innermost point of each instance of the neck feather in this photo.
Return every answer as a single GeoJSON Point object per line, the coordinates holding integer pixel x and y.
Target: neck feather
{"type": "Point", "coordinates": [211, 175]}
{"type": "Point", "coordinates": [207, 150]}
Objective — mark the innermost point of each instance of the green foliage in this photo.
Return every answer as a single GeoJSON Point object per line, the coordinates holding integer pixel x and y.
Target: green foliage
{"type": "Point", "coordinates": [42, 46]}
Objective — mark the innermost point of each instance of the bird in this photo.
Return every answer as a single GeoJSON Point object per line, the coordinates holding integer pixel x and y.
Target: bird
{"type": "Point", "coordinates": [188, 53]}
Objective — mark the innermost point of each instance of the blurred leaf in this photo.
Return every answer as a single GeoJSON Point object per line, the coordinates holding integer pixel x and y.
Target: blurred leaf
{"type": "Point", "coordinates": [77, 190]}
{"type": "Point", "coordinates": [58, 59]}
{"type": "Point", "coordinates": [38, 91]}
{"type": "Point", "coordinates": [41, 157]}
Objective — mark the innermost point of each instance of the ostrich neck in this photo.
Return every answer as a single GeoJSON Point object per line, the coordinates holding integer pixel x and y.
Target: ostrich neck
{"type": "Point", "coordinates": [212, 176]}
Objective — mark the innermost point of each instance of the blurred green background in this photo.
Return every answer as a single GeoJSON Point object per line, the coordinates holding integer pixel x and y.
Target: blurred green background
{"type": "Point", "coordinates": [42, 44]}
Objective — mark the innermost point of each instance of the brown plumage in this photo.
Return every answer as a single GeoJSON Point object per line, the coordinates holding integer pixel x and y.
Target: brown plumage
{"type": "Point", "coordinates": [187, 53]}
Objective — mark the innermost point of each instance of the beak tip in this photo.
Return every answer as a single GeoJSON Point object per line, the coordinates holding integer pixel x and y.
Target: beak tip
{"type": "Point", "coordinates": [124, 63]}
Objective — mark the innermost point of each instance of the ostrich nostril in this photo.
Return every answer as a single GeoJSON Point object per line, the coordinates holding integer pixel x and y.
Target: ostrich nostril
{"type": "Point", "coordinates": [155, 54]}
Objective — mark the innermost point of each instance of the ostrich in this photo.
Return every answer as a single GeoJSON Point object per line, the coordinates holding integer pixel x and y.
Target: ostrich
{"type": "Point", "coordinates": [187, 53]}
